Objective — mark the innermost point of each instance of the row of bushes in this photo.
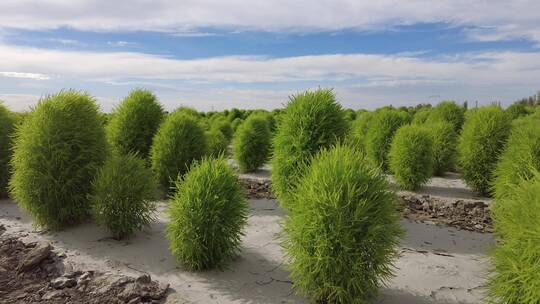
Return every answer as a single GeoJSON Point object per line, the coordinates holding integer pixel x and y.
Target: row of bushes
{"type": "Point", "coordinates": [342, 227]}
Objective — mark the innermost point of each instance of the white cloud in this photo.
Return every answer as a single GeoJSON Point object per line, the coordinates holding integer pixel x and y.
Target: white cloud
{"type": "Point", "coordinates": [491, 20]}
{"type": "Point", "coordinates": [366, 80]}
{"type": "Point", "coordinates": [35, 76]}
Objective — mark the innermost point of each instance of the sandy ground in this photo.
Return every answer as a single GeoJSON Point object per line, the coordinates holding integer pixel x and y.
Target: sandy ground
{"type": "Point", "coordinates": [437, 264]}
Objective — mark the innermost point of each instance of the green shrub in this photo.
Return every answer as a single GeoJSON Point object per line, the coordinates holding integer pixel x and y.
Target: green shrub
{"type": "Point", "coordinates": [421, 115]}
{"type": "Point", "coordinates": [57, 152]}
{"type": "Point", "coordinates": [134, 123]}
{"type": "Point", "coordinates": [312, 120]}
{"type": "Point", "coordinates": [236, 123]}
{"type": "Point", "coordinates": [411, 156]}
{"type": "Point", "coordinates": [517, 110]}
{"type": "Point", "coordinates": [216, 142]}
{"type": "Point", "coordinates": [520, 156]}
{"type": "Point", "coordinates": [380, 132]}
{"type": "Point", "coordinates": [444, 140]}
{"type": "Point", "coordinates": [343, 233]}
{"type": "Point", "coordinates": [516, 268]}
{"type": "Point", "coordinates": [208, 214]}
{"type": "Point", "coordinates": [8, 121]}
{"type": "Point", "coordinates": [224, 127]}
{"type": "Point", "coordinates": [359, 127]}
{"type": "Point", "coordinates": [251, 145]}
{"type": "Point", "coordinates": [123, 192]}
{"type": "Point", "coordinates": [481, 142]}
{"type": "Point", "coordinates": [448, 111]}
{"type": "Point", "coordinates": [178, 141]}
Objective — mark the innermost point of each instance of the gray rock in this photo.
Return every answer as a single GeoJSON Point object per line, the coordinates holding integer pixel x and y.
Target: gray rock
{"type": "Point", "coordinates": [34, 257]}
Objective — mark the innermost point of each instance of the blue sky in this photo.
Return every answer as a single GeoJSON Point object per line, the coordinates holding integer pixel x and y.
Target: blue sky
{"type": "Point", "coordinates": [215, 55]}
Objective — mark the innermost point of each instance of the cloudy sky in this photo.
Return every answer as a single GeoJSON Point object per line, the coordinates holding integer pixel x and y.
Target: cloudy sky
{"type": "Point", "coordinates": [213, 54]}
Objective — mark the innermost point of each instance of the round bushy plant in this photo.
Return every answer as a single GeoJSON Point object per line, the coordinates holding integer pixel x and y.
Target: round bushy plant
{"type": "Point", "coordinates": [444, 140]}
{"type": "Point", "coordinates": [208, 214]}
{"type": "Point", "coordinates": [515, 274]}
{"type": "Point", "coordinates": [251, 145]}
{"type": "Point", "coordinates": [411, 156]}
{"type": "Point", "coordinates": [178, 141]}
{"type": "Point", "coordinates": [216, 142]}
{"type": "Point", "coordinates": [517, 110]}
{"type": "Point", "coordinates": [448, 111]}
{"type": "Point", "coordinates": [224, 127]}
{"type": "Point", "coordinates": [123, 192]}
{"type": "Point", "coordinates": [134, 123]}
{"type": "Point", "coordinates": [421, 115]}
{"type": "Point", "coordinates": [380, 131]}
{"type": "Point", "coordinates": [312, 120]}
{"type": "Point", "coordinates": [236, 123]}
{"type": "Point", "coordinates": [520, 157]}
{"type": "Point", "coordinates": [359, 127]}
{"type": "Point", "coordinates": [57, 152]}
{"type": "Point", "coordinates": [7, 125]}
{"type": "Point", "coordinates": [343, 233]}
{"type": "Point", "coordinates": [481, 142]}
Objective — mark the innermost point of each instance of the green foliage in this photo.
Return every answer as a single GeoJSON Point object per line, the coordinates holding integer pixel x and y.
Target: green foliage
{"type": "Point", "coordinates": [123, 192]}
{"type": "Point", "coordinates": [178, 141]}
{"type": "Point", "coordinates": [134, 123]}
{"type": "Point", "coordinates": [448, 111]}
{"type": "Point", "coordinates": [208, 214]}
{"type": "Point", "coordinates": [421, 116]}
{"type": "Point", "coordinates": [444, 140]}
{"type": "Point", "coordinates": [481, 142]}
{"type": "Point", "coordinates": [251, 145]}
{"type": "Point", "coordinates": [380, 131]}
{"type": "Point", "coordinates": [411, 156]}
{"type": "Point", "coordinates": [312, 120]}
{"type": "Point", "coordinates": [216, 142]}
{"type": "Point", "coordinates": [236, 123]}
{"type": "Point", "coordinates": [350, 115]}
{"type": "Point", "coordinates": [516, 268]}
{"type": "Point", "coordinates": [520, 157]}
{"type": "Point", "coordinates": [358, 131]}
{"type": "Point", "coordinates": [343, 233]}
{"type": "Point", "coordinates": [224, 127]}
{"type": "Point", "coordinates": [8, 121]}
{"type": "Point", "coordinates": [57, 152]}
{"type": "Point", "coordinates": [517, 110]}
{"type": "Point", "coordinates": [234, 114]}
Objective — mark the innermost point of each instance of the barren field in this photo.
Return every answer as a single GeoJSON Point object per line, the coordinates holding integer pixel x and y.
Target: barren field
{"type": "Point", "coordinates": [438, 263]}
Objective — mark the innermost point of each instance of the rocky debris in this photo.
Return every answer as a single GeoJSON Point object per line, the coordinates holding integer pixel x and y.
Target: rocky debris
{"type": "Point", "coordinates": [34, 273]}
{"type": "Point", "coordinates": [462, 214]}
{"type": "Point", "coordinates": [257, 188]}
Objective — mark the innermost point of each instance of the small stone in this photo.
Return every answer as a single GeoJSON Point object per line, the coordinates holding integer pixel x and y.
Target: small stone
{"type": "Point", "coordinates": [478, 226]}
{"type": "Point", "coordinates": [63, 282]}
{"type": "Point", "coordinates": [53, 294]}
{"type": "Point", "coordinates": [144, 279]}
{"type": "Point", "coordinates": [34, 257]}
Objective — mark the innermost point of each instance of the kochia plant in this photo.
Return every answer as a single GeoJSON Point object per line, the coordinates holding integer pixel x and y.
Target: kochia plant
{"type": "Point", "coordinates": [208, 214]}
{"type": "Point", "coordinates": [57, 152]}
{"type": "Point", "coordinates": [312, 120]}
{"type": "Point", "coordinates": [251, 145]}
{"type": "Point", "coordinates": [450, 112]}
{"type": "Point", "coordinates": [380, 132]}
{"type": "Point", "coordinates": [123, 192]}
{"type": "Point", "coordinates": [216, 142]}
{"type": "Point", "coordinates": [481, 142]}
{"type": "Point", "coordinates": [343, 233]}
{"type": "Point", "coordinates": [134, 123]}
{"type": "Point", "coordinates": [444, 140]}
{"type": "Point", "coordinates": [179, 141]}
{"type": "Point", "coordinates": [7, 126]}
{"type": "Point", "coordinates": [520, 157]}
{"type": "Point", "coordinates": [515, 274]}
{"type": "Point", "coordinates": [411, 156]}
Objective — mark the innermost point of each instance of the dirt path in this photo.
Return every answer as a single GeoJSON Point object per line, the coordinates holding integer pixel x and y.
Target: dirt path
{"type": "Point", "coordinates": [437, 264]}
